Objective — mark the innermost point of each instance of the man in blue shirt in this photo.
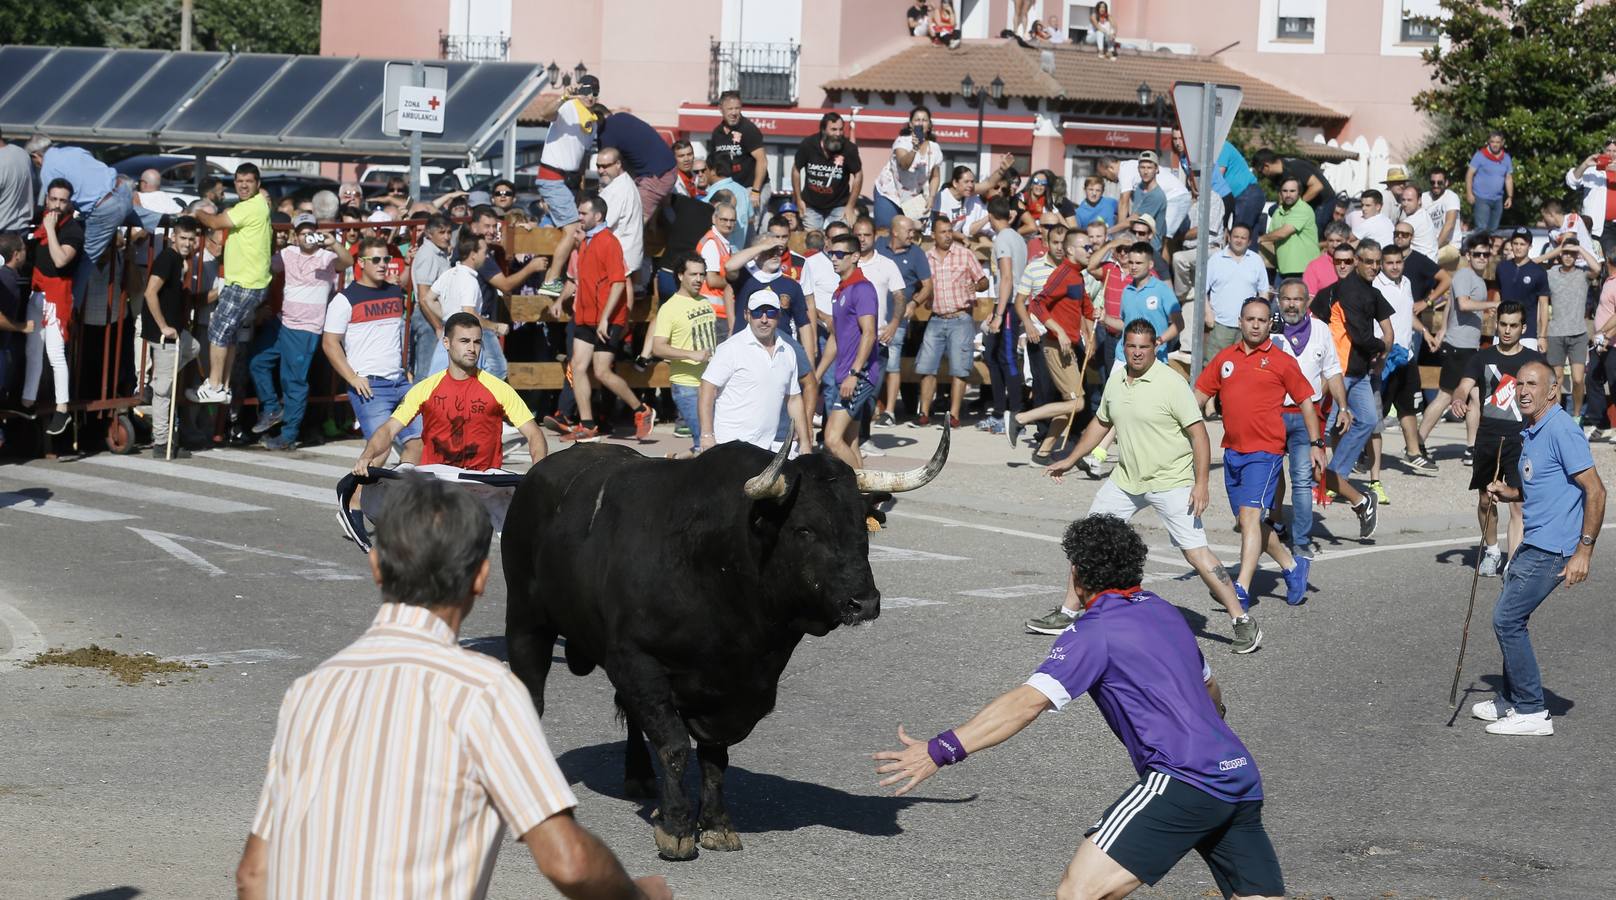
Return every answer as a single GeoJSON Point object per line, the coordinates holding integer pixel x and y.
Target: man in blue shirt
{"type": "Point", "coordinates": [1133, 653]}
{"type": "Point", "coordinates": [1147, 297]}
{"type": "Point", "coordinates": [1233, 276]}
{"type": "Point", "coordinates": [1246, 196]}
{"type": "Point", "coordinates": [1490, 183]}
{"type": "Point", "coordinates": [1562, 507]}
{"type": "Point", "coordinates": [102, 201]}
{"type": "Point", "coordinates": [911, 259]}
{"type": "Point", "coordinates": [1527, 283]}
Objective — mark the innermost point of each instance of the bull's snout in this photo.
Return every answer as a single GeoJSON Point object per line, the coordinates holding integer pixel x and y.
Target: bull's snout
{"type": "Point", "coordinates": [862, 609]}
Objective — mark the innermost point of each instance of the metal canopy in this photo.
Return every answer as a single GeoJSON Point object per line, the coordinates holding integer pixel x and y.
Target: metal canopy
{"type": "Point", "coordinates": [317, 107]}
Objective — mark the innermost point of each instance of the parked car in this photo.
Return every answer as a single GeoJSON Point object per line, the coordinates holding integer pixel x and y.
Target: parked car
{"type": "Point", "coordinates": [178, 173]}
{"type": "Point", "coordinates": [296, 185]}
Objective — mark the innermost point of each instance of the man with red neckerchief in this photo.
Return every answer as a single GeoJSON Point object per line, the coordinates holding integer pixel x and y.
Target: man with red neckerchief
{"type": "Point", "coordinates": [1253, 378]}
{"type": "Point", "coordinates": [1133, 653]}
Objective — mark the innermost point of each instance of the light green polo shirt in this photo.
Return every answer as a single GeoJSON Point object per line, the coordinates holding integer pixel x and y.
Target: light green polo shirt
{"type": "Point", "coordinates": [246, 249]}
{"type": "Point", "coordinates": [1150, 415]}
{"type": "Point", "coordinates": [1292, 254]}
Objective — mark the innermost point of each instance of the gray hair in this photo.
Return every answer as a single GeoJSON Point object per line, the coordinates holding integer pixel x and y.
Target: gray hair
{"type": "Point", "coordinates": [1339, 230]}
{"type": "Point", "coordinates": [431, 540]}
{"type": "Point", "coordinates": [154, 176]}
{"type": "Point", "coordinates": [1306, 294]}
{"type": "Point", "coordinates": [37, 144]}
{"type": "Point", "coordinates": [325, 205]}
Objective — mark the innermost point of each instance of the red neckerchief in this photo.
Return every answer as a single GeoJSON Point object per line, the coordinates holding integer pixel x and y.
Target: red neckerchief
{"type": "Point", "coordinates": [1487, 152]}
{"type": "Point", "coordinates": [853, 277]}
{"type": "Point", "coordinates": [1125, 593]}
{"type": "Point", "coordinates": [1035, 205]}
{"type": "Point", "coordinates": [58, 289]}
{"type": "Point", "coordinates": [689, 181]}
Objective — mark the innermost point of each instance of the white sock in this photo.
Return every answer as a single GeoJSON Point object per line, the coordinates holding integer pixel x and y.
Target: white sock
{"type": "Point", "coordinates": [1069, 613]}
{"type": "Point", "coordinates": [1493, 548]}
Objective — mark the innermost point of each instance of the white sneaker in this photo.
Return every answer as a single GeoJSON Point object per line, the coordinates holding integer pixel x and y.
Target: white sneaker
{"type": "Point", "coordinates": [868, 448]}
{"type": "Point", "coordinates": [1523, 723]}
{"type": "Point", "coordinates": [207, 393]}
{"type": "Point", "coordinates": [1490, 711]}
{"type": "Point", "coordinates": [1490, 561]}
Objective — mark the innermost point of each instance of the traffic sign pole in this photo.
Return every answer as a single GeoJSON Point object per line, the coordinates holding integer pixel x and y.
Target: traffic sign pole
{"type": "Point", "coordinates": [1208, 152]}
{"type": "Point", "coordinates": [418, 79]}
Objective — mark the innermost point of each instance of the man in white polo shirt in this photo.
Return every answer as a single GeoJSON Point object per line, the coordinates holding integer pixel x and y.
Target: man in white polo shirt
{"type": "Point", "coordinates": [1308, 339]}
{"type": "Point", "coordinates": [748, 378]}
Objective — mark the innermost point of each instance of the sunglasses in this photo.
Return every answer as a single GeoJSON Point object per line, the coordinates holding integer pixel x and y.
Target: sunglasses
{"type": "Point", "coordinates": [1039, 182]}
{"type": "Point", "coordinates": [1439, 184]}
{"type": "Point", "coordinates": [697, 170]}
{"type": "Point", "coordinates": [838, 254]}
{"type": "Point", "coordinates": [1141, 232]}
{"type": "Point", "coordinates": [378, 260]}
{"type": "Point", "coordinates": [767, 312]}
{"type": "Point", "coordinates": [504, 193]}
{"type": "Point", "coordinates": [1481, 256]}
{"type": "Point", "coordinates": [1347, 261]}
{"type": "Point", "coordinates": [1407, 234]}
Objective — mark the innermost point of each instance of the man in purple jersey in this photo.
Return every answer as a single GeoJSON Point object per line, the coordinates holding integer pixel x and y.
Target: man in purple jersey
{"type": "Point", "coordinates": [1131, 651]}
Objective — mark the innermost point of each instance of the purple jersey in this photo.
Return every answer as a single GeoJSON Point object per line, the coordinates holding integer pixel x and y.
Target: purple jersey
{"type": "Point", "coordinates": [855, 297]}
{"type": "Point", "coordinates": [1135, 656]}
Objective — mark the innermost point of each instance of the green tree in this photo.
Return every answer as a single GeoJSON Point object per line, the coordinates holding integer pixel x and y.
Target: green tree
{"type": "Point", "coordinates": [1541, 71]}
{"type": "Point", "coordinates": [282, 26]}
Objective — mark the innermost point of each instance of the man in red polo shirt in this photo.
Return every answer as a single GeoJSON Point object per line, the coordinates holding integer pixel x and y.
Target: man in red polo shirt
{"type": "Point", "coordinates": [600, 323]}
{"type": "Point", "coordinates": [1253, 379]}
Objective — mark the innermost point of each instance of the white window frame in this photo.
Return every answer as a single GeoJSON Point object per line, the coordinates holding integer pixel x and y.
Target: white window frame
{"type": "Point", "coordinates": [1066, 14]}
{"type": "Point", "coordinates": [1391, 33]}
{"type": "Point", "coordinates": [973, 23]}
{"type": "Point", "coordinates": [1268, 40]}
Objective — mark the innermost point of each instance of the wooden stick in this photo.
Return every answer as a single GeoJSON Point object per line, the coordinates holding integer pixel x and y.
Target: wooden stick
{"type": "Point", "coordinates": [1475, 579]}
{"type": "Point", "coordinates": [173, 395]}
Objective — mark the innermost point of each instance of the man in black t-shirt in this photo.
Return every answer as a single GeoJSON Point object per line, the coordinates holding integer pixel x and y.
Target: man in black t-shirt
{"type": "Point", "coordinates": [1316, 189]}
{"type": "Point", "coordinates": [165, 319]}
{"type": "Point", "coordinates": [827, 175]}
{"type": "Point", "coordinates": [1498, 440]}
{"type": "Point", "coordinates": [58, 249]}
{"type": "Point", "coordinates": [12, 320]}
{"type": "Point", "coordinates": [741, 140]}
{"type": "Point", "coordinates": [1360, 308]}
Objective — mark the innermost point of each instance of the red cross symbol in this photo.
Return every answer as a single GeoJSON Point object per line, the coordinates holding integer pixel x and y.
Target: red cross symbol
{"type": "Point", "coordinates": [432, 103]}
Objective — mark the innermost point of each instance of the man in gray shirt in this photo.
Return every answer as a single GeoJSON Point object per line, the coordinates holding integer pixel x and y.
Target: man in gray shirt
{"type": "Point", "coordinates": [16, 189]}
{"type": "Point", "coordinates": [1567, 337]}
{"type": "Point", "coordinates": [1002, 330]}
{"type": "Point", "coordinates": [1460, 337]}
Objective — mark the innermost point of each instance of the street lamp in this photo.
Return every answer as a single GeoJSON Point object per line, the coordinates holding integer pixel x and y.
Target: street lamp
{"type": "Point", "coordinates": [1158, 107]}
{"type": "Point", "coordinates": [554, 71]}
{"type": "Point", "coordinates": [578, 72]}
{"type": "Point", "coordinates": [968, 90]}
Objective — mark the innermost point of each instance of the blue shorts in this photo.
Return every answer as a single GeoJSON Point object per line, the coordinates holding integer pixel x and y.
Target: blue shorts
{"type": "Point", "coordinates": [558, 198]}
{"type": "Point", "coordinates": [863, 399]}
{"type": "Point", "coordinates": [1250, 479]}
{"type": "Point", "coordinates": [386, 395]}
{"type": "Point", "coordinates": [894, 358]}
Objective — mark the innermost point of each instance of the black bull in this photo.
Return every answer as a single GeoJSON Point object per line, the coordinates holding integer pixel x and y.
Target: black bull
{"type": "Point", "coordinates": [690, 583]}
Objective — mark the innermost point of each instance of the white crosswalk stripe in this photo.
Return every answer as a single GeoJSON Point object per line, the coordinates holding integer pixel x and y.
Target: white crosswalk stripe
{"type": "Point", "coordinates": [39, 504]}
{"type": "Point", "coordinates": [322, 495]}
{"type": "Point", "coordinates": [348, 450]}
{"type": "Point", "coordinates": [278, 461]}
{"type": "Point", "coordinates": [61, 477]}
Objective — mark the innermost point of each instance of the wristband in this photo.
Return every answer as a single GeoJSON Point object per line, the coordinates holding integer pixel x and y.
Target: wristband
{"type": "Point", "coordinates": [946, 749]}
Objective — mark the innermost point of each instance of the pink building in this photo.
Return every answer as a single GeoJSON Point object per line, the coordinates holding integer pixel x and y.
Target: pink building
{"type": "Point", "coordinates": [1339, 69]}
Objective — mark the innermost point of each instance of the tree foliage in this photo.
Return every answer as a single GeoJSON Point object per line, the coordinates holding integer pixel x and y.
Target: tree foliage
{"type": "Point", "coordinates": [281, 26]}
{"type": "Point", "coordinates": [1541, 71]}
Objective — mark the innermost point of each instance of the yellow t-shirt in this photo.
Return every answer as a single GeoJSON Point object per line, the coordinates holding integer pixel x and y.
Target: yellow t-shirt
{"type": "Point", "coordinates": [688, 324]}
{"type": "Point", "coordinates": [246, 250]}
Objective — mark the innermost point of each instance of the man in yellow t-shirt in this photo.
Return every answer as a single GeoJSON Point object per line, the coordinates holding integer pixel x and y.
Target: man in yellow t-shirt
{"type": "Point", "coordinates": [246, 278]}
{"type": "Point", "coordinates": [685, 334]}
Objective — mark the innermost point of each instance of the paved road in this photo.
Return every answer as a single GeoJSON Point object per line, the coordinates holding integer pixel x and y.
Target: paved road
{"type": "Point", "coordinates": [233, 558]}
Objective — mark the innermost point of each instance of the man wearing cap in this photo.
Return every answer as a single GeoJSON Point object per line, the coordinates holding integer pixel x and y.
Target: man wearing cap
{"type": "Point", "coordinates": [748, 378]}
{"type": "Point", "coordinates": [310, 265]}
{"type": "Point", "coordinates": [574, 119]}
{"type": "Point", "coordinates": [1396, 177]}
{"type": "Point", "coordinates": [1145, 197]}
{"type": "Point", "coordinates": [1293, 231]}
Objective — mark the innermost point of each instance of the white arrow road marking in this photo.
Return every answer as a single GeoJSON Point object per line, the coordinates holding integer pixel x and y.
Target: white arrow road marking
{"type": "Point", "coordinates": [277, 461]}
{"type": "Point", "coordinates": [321, 570]}
{"type": "Point", "coordinates": [880, 553]}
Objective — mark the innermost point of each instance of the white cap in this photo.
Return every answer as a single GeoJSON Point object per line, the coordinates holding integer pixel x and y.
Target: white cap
{"type": "Point", "coordinates": [380, 215]}
{"type": "Point", "coordinates": [762, 298]}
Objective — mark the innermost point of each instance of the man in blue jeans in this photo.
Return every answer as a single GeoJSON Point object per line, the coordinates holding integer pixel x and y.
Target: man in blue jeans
{"type": "Point", "coordinates": [685, 334]}
{"type": "Point", "coordinates": [1563, 505]}
{"type": "Point", "coordinates": [1490, 183]}
{"type": "Point", "coordinates": [1307, 339]}
{"type": "Point", "coordinates": [365, 330]}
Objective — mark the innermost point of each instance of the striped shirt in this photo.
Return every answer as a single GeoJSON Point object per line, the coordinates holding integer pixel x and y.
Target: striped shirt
{"type": "Point", "coordinates": [954, 276]}
{"type": "Point", "coordinates": [398, 763]}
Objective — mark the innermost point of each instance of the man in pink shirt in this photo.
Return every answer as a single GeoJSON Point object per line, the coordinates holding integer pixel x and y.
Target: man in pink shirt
{"type": "Point", "coordinates": [311, 265]}
{"type": "Point", "coordinates": [1320, 273]}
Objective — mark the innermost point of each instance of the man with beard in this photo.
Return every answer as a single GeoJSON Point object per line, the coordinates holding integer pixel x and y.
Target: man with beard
{"type": "Point", "coordinates": [1307, 339]}
{"type": "Point", "coordinates": [1442, 205]}
{"type": "Point", "coordinates": [741, 145]}
{"type": "Point", "coordinates": [827, 175]}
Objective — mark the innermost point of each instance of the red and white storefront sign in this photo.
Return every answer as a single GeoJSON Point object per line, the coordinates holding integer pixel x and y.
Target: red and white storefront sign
{"type": "Point", "coordinates": [869, 126]}
{"type": "Point", "coordinates": [1108, 136]}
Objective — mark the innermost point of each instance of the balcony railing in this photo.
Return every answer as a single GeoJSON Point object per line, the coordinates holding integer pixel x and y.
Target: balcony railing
{"type": "Point", "coordinates": [474, 47]}
{"type": "Point", "coordinates": [765, 74]}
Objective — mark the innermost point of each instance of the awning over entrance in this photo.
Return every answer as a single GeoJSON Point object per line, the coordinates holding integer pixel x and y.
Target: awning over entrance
{"type": "Point", "coordinates": [318, 107]}
{"type": "Point", "coordinates": [870, 127]}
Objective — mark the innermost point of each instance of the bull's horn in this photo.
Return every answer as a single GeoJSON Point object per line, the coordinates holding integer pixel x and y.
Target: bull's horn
{"type": "Point", "coordinates": [873, 480]}
{"type": "Point", "coordinates": [769, 484]}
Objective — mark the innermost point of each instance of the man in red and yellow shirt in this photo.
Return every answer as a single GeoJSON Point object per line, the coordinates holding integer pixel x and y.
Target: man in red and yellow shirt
{"type": "Point", "coordinates": [1252, 378]}
{"type": "Point", "coordinates": [462, 410]}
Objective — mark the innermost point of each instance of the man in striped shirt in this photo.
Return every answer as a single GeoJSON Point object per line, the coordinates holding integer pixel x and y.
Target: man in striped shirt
{"type": "Point", "coordinates": [399, 762]}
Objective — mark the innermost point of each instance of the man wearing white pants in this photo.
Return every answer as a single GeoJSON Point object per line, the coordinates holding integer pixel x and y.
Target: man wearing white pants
{"type": "Point", "coordinates": [1163, 458]}
{"type": "Point", "coordinates": [58, 248]}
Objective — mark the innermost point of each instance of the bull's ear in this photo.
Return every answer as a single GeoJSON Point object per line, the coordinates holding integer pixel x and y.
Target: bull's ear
{"type": "Point", "coordinates": [873, 502]}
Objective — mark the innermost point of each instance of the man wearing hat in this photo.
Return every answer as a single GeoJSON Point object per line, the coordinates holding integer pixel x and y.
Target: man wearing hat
{"type": "Point", "coordinates": [1396, 177]}
{"type": "Point", "coordinates": [311, 265]}
{"type": "Point", "coordinates": [750, 378]}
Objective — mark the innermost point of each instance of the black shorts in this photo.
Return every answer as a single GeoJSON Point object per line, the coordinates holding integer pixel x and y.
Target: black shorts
{"type": "Point", "coordinates": [1454, 361]}
{"type": "Point", "coordinates": [1399, 389]}
{"type": "Point", "coordinates": [1150, 828]}
{"type": "Point", "coordinates": [1487, 457]}
{"type": "Point", "coordinates": [613, 343]}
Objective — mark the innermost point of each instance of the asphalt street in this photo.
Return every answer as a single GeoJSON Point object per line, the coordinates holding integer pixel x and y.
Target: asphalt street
{"type": "Point", "coordinates": [1373, 788]}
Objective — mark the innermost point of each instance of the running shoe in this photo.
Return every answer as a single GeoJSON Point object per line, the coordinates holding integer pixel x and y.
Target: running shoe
{"type": "Point", "coordinates": [1296, 581]}
{"type": "Point", "coordinates": [1469, 458]}
{"type": "Point", "coordinates": [559, 423]}
{"type": "Point", "coordinates": [681, 430]}
{"type": "Point", "coordinates": [58, 423]}
{"type": "Point", "coordinates": [1490, 711]}
{"type": "Point", "coordinates": [582, 435]}
{"type": "Point", "coordinates": [552, 288]}
{"type": "Point", "coordinates": [1421, 463]}
{"type": "Point", "coordinates": [1492, 559]}
{"type": "Point", "coordinates": [921, 421]}
{"type": "Point", "coordinates": [885, 420]}
{"type": "Point", "coordinates": [352, 522]}
{"type": "Point", "coordinates": [266, 422]}
{"type": "Point", "coordinates": [1012, 428]}
{"type": "Point", "coordinates": [161, 452]}
{"type": "Point", "coordinates": [207, 393]}
{"type": "Point", "coordinates": [1380, 493]}
{"type": "Point", "coordinates": [1247, 636]}
{"type": "Point", "coordinates": [868, 448]}
{"type": "Point", "coordinates": [1368, 513]}
{"type": "Point", "coordinates": [1593, 433]}
{"type": "Point", "coordinates": [1242, 595]}
{"type": "Point", "coordinates": [643, 421]}
{"type": "Point", "coordinates": [1535, 724]}
{"type": "Point", "coordinates": [1053, 622]}
{"type": "Point", "coordinates": [280, 442]}
{"type": "Point", "coordinates": [953, 421]}
{"type": "Point", "coordinates": [1042, 459]}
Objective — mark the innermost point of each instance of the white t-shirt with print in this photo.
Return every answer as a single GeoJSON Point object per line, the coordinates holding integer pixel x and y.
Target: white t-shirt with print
{"type": "Point", "coordinates": [899, 184]}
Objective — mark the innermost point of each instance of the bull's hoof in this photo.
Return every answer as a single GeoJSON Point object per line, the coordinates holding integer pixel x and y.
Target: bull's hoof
{"type": "Point", "coordinates": [639, 788]}
{"type": "Point", "coordinates": [723, 839]}
{"type": "Point", "coordinates": [675, 848]}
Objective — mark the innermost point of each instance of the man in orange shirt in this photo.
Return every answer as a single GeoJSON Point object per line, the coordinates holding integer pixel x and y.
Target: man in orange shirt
{"type": "Point", "coordinates": [600, 323]}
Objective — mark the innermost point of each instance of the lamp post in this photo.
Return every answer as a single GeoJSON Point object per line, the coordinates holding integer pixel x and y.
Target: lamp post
{"type": "Point", "coordinates": [1157, 104]}
{"type": "Point", "coordinates": [969, 91]}
{"type": "Point", "coordinates": [567, 80]}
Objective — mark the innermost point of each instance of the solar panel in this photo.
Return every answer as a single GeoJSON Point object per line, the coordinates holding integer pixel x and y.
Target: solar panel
{"type": "Point", "coordinates": [219, 102]}
{"type": "Point", "coordinates": [176, 78]}
{"type": "Point", "coordinates": [35, 97]}
{"type": "Point", "coordinates": [285, 99]}
{"type": "Point", "coordinates": [16, 62]}
{"type": "Point", "coordinates": [336, 112]}
{"type": "Point", "coordinates": [100, 92]}
{"type": "Point", "coordinates": [477, 96]}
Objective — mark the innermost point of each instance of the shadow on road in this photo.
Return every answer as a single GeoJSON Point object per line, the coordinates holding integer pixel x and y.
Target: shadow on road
{"type": "Point", "coordinates": [758, 802]}
{"type": "Point", "coordinates": [27, 497]}
{"type": "Point", "coordinates": [117, 893]}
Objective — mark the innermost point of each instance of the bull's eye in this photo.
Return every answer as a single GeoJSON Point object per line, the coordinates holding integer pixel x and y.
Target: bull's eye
{"type": "Point", "coordinates": [804, 531]}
